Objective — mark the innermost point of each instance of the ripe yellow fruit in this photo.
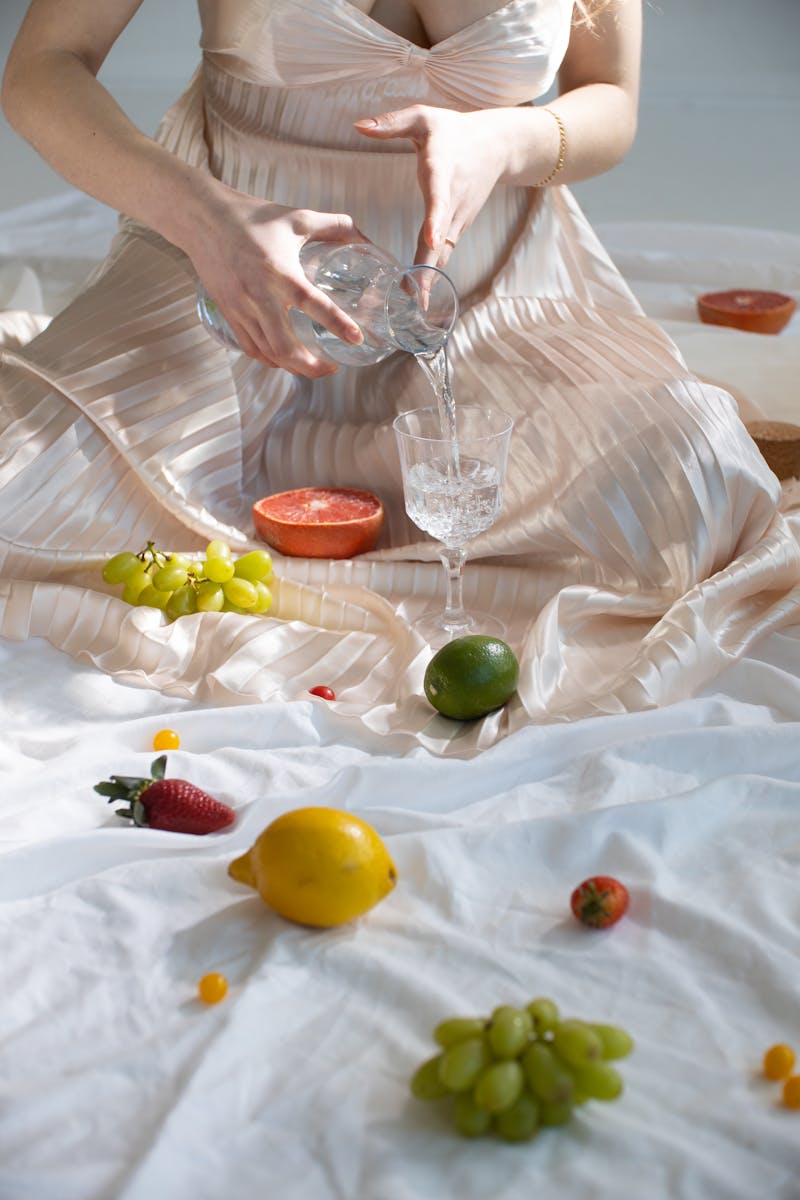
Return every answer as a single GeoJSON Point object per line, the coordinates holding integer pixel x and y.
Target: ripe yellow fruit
{"type": "Point", "coordinates": [778, 1061]}
{"type": "Point", "coordinates": [791, 1092]}
{"type": "Point", "coordinates": [166, 739]}
{"type": "Point", "coordinates": [317, 866]}
{"type": "Point", "coordinates": [212, 988]}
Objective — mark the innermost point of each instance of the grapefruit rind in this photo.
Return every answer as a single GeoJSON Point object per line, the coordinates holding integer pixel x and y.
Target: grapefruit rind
{"type": "Point", "coordinates": [319, 522]}
{"type": "Point", "coordinates": [747, 309]}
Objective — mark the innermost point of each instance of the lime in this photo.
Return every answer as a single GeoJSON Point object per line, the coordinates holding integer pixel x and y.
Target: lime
{"type": "Point", "coordinates": [471, 676]}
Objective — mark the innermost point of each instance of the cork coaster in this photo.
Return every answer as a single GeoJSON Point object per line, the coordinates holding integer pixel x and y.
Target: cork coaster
{"type": "Point", "coordinates": [779, 442]}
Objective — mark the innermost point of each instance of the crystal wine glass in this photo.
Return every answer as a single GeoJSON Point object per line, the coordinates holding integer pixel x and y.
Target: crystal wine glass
{"type": "Point", "coordinates": [454, 490]}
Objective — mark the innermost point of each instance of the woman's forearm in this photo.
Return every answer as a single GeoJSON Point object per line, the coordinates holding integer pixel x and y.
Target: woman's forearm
{"type": "Point", "coordinates": [597, 105]}
{"type": "Point", "coordinates": [97, 148]}
{"type": "Point", "coordinates": [599, 124]}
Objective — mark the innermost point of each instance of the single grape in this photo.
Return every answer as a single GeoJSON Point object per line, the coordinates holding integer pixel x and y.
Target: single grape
{"type": "Point", "coordinates": [616, 1042]}
{"type": "Point", "coordinates": [547, 1078]}
{"type": "Point", "coordinates": [499, 1085]}
{"type": "Point", "coordinates": [181, 560]}
{"type": "Point", "coordinates": [509, 1030]}
{"type": "Point", "coordinates": [597, 1081]}
{"type": "Point", "coordinates": [554, 1114]}
{"type": "Point", "coordinates": [576, 1043]}
{"type": "Point", "coordinates": [210, 596]}
{"type": "Point", "coordinates": [212, 988]}
{"type": "Point", "coordinates": [470, 1120]}
{"type": "Point", "coordinates": [135, 585]}
{"type": "Point", "coordinates": [790, 1093]}
{"type": "Point", "coordinates": [426, 1083]}
{"type": "Point", "coordinates": [263, 597]}
{"type": "Point", "coordinates": [461, 1064]}
{"type": "Point", "coordinates": [458, 1029]}
{"type": "Point", "coordinates": [166, 739]}
{"type": "Point", "coordinates": [169, 577]}
{"type": "Point", "coordinates": [182, 602]}
{"type": "Point", "coordinates": [121, 567]}
{"type": "Point", "coordinates": [778, 1061]}
{"type": "Point", "coordinates": [544, 1014]}
{"type": "Point", "coordinates": [520, 1122]}
{"type": "Point", "coordinates": [240, 592]}
{"type": "Point", "coordinates": [220, 570]}
{"type": "Point", "coordinates": [151, 597]}
{"type": "Point", "coordinates": [218, 549]}
{"type": "Point", "coordinates": [256, 565]}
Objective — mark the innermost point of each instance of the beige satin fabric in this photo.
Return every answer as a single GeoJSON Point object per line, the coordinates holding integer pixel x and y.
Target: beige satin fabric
{"type": "Point", "coordinates": [640, 547]}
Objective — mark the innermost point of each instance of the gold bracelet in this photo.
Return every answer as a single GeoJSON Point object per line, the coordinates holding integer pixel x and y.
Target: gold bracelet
{"type": "Point", "coordinates": [562, 148]}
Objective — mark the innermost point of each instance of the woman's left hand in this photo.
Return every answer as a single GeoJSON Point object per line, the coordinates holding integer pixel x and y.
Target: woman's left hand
{"type": "Point", "coordinates": [460, 158]}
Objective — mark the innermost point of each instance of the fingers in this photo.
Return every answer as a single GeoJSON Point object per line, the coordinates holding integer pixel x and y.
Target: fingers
{"type": "Point", "coordinates": [404, 122]}
{"type": "Point", "coordinates": [268, 337]}
{"type": "Point", "coordinates": [330, 227]}
{"type": "Point", "coordinates": [292, 356]}
{"type": "Point", "coordinates": [321, 308]}
{"type": "Point", "coordinates": [437, 257]}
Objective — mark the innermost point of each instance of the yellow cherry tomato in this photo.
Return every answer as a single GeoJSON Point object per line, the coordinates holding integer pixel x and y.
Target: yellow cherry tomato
{"type": "Point", "coordinates": [212, 988]}
{"type": "Point", "coordinates": [791, 1092]}
{"type": "Point", "coordinates": [778, 1061]}
{"type": "Point", "coordinates": [166, 739]}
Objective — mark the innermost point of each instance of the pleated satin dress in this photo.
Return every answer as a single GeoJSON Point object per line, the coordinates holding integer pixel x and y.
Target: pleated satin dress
{"type": "Point", "coordinates": [640, 548]}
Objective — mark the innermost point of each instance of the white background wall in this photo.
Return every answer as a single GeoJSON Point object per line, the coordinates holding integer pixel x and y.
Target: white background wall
{"type": "Point", "coordinates": [719, 136]}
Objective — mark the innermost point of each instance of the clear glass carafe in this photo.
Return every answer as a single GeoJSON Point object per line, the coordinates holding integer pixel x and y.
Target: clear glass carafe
{"type": "Point", "coordinates": [397, 308]}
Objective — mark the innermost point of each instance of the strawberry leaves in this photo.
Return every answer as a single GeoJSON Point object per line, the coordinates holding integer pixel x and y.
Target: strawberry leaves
{"type": "Point", "coordinates": [130, 788]}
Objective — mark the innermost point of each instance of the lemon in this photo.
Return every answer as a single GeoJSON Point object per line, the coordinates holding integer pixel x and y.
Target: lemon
{"type": "Point", "coordinates": [471, 676]}
{"type": "Point", "coordinates": [317, 866]}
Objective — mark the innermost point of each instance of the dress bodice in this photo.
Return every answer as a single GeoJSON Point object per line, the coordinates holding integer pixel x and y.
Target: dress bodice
{"type": "Point", "coordinates": [508, 57]}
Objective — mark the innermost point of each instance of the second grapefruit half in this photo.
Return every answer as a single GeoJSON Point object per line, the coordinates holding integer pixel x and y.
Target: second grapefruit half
{"type": "Point", "coordinates": [318, 522]}
{"type": "Point", "coordinates": [745, 308]}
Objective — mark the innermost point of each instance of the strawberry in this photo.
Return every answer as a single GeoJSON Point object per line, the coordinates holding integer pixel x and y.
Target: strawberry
{"type": "Point", "coordinates": [600, 901]}
{"type": "Point", "coordinates": [173, 804]}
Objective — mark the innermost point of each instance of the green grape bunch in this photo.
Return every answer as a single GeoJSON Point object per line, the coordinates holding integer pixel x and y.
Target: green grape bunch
{"type": "Point", "coordinates": [179, 584]}
{"type": "Point", "coordinates": [520, 1069]}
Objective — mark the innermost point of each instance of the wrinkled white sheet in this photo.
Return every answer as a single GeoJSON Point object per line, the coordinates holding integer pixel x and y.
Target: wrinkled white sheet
{"type": "Point", "coordinates": [117, 1084]}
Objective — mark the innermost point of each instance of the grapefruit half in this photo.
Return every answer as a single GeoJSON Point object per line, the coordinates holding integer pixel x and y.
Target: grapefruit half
{"type": "Point", "coordinates": [743, 308]}
{"type": "Point", "coordinates": [317, 522]}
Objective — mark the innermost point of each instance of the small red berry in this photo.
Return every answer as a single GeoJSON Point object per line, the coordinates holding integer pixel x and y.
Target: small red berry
{"type": "Point", "coordinates": [599, 901]}
{"type": "Point", "coordinates": [325, 692]}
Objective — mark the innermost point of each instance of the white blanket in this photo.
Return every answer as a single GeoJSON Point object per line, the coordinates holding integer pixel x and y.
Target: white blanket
{"type": "Point", "coordinates": [116, 1083]}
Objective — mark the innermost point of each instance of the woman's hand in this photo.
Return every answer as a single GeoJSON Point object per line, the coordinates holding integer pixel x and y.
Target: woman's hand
{"type": "Point", "coordinates": [460, 158]}
{"type": "Point", "coordinates": [247, 255]}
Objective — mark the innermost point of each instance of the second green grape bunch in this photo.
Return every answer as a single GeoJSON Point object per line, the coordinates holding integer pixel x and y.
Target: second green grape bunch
{"type": "Point", "coordinates": [179, 584]}
{"type": "Point", "coordinates": [520, 1069]}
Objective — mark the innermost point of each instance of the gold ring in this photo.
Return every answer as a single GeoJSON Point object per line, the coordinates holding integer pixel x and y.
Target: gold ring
{"type": "Point", "coordinates": [449, 242]}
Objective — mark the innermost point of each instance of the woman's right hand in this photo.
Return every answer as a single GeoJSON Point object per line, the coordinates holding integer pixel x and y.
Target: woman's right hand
{"type": "Point", "coordinates": [248, 258]}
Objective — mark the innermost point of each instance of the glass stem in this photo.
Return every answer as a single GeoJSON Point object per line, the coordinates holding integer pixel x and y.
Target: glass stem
{"type": "Point", "coordinates": [454, 616]}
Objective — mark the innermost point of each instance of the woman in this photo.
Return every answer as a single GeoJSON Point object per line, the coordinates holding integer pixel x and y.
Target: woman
{"type": "Point", "coordinates": [640, 541]}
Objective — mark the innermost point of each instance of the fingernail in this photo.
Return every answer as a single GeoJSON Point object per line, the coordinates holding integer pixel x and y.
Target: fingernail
{"type": "Point", "coordinates": [366, 122]}
{"type": "Point", "coordinates": [355, 336]}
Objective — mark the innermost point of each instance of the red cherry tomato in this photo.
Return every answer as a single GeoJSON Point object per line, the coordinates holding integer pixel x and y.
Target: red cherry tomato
{"type": "Point", "coordinates": [600, 901]}
{"type": "Point", "coordinates": [325, 692]}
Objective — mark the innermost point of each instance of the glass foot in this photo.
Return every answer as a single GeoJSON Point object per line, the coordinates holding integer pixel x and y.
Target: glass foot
{"type": "Point", "coordinates": [436, 631]}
